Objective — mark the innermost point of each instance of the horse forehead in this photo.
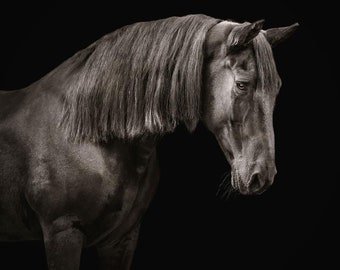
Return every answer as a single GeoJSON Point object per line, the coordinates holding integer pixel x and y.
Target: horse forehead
{"type": "Point", "coordinates": [245, 58]}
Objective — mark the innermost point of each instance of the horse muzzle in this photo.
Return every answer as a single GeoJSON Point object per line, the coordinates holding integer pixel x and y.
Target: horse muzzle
{"type": "Point", "coordinates": [254, 183]}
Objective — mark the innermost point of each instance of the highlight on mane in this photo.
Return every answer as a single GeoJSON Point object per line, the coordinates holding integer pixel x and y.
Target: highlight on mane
{"type": "Point", "coordinates": [266, 68]}
{"type": "Point", "coordinates": [143, 78]}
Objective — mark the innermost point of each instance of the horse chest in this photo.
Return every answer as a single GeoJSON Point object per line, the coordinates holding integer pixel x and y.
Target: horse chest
{"type": "Point", "coordinates": [105, 191]}
{"type": "Point", "coordinates": [137, 192]}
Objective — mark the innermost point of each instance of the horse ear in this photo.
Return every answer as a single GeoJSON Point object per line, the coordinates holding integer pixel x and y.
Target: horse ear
{"type": "Point", "coordinates": [242, 34]}
{"type": "Point", "coordinates": [279, 34]}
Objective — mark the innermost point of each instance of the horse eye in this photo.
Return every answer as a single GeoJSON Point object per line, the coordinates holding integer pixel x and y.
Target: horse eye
{"type": "Point", "coordinates": [241, 85]}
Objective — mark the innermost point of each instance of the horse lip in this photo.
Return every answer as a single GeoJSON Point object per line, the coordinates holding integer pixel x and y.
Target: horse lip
{"type": "Point", "coordinates": [243, 189]}
{"type": "Point", "coordinates": [235, 181]}
{"type": "Point", "coordinates": [256, 192]}
{"type": "Point", "coordinates": [259, 191]}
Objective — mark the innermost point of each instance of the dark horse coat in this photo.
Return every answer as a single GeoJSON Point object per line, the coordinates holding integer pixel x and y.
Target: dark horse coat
{"type": "Point", "coordinates": [49, 185]}
{"type": "Point", "coordinates": [78, 160]}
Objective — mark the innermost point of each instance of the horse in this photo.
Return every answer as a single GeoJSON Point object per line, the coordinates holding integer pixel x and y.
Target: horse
{"type": "Point", "coordinates": [78, 165]}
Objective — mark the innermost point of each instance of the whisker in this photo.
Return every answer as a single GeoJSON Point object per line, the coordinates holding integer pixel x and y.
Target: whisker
{"type": "Point", "coordinates": [225, 190]}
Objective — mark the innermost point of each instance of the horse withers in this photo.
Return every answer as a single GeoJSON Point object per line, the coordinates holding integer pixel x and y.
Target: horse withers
{"type": "Point", "coordinates": [78, 163]}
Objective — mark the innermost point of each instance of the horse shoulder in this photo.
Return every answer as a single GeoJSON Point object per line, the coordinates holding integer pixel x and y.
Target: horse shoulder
{"type": "Point", "coordinates": [137, 196]}
{"type": "Point", "coordinates": [74, 179]}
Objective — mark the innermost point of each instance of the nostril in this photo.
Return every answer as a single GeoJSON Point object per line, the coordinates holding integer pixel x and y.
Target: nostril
{"type": "Point", "coordinates": [254, 183]}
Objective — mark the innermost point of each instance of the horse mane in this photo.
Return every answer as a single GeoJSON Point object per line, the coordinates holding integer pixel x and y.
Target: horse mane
{"type": "Point", "coordinates": [266, 68]}
{"type": "Point", "coordinates": [143, 78]}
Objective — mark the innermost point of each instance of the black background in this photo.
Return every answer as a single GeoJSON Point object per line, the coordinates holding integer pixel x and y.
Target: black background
{"type": "Point", "coordinates": [291, 226]}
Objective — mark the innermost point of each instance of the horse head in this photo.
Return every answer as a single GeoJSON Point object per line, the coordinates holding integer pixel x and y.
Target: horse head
{"type": "Point", "coordinates": [241, 84]}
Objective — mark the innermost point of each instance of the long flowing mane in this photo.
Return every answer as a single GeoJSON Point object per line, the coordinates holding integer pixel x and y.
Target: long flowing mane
{"type": "Point", "coordinates": [266, 68]}
{"type": "Point", "coordinates": [144, 78]}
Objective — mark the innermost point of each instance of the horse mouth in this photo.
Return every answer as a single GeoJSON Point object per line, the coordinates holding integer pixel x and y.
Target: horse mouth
{"type": "Point", "coordinates": [232, 185]}
{"type": "Point", "coordinates": [229, 186]}
{"type": "Point", "coordinates": [251, 187]}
